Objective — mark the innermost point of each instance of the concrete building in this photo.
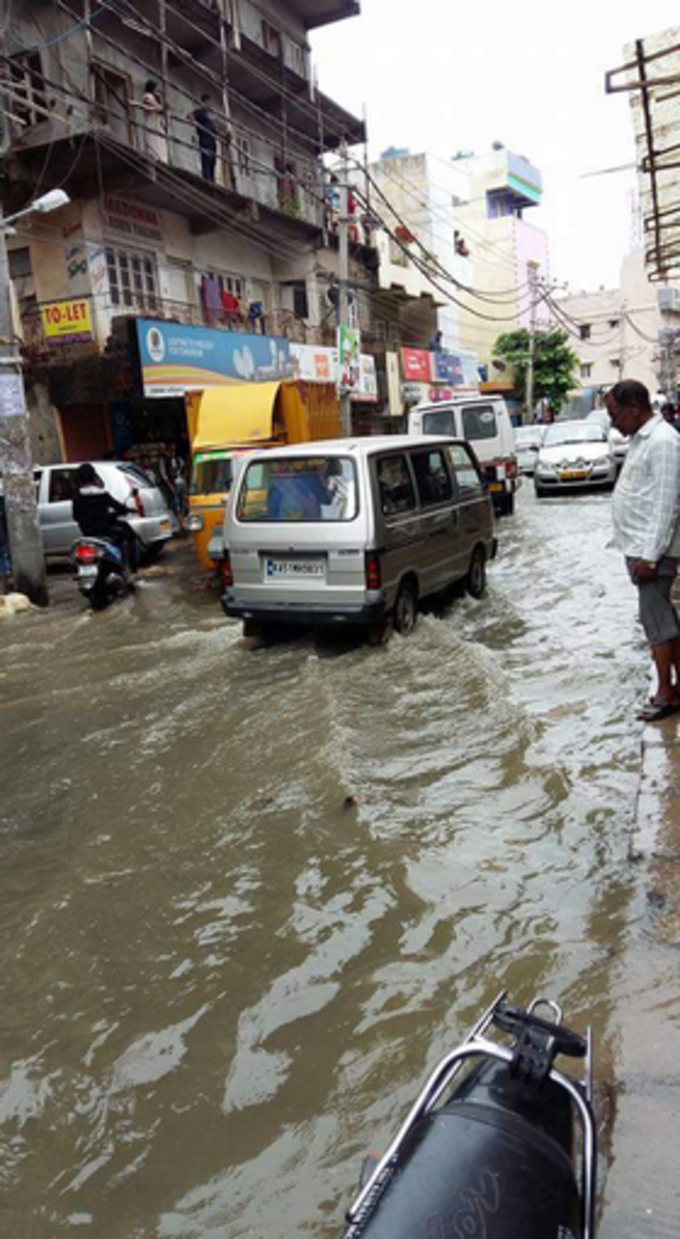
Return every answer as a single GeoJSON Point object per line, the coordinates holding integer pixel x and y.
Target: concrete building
{"type": "Point", "coordinates": [418, 197]}
{"type": "Point", "coordinates": [651, 64]}
{"type": "Point", "coordinates": [507, 252]}
{"type": "Point", "coordinates": [620, 333]}
{"type": "Point", "coordinates": [219, 226]}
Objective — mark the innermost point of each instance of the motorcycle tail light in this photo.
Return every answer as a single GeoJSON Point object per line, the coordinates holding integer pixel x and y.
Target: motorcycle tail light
{"type": "Point", "coordinates": [86, 553]}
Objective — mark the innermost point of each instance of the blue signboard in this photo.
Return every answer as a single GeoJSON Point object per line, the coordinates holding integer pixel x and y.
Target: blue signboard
{"type": "Point", "coordinates": [447, 368]}
{"type": "Point", "coordinates": [175, 359]}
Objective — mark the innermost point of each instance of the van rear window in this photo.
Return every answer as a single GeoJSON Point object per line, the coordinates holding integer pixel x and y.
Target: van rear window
{"type": "Point", "coordinates": [479, 422]}
{"type": "Point", "coordinates": [439, 422]}
{"type": "Point", "coordinates": [305, 488]}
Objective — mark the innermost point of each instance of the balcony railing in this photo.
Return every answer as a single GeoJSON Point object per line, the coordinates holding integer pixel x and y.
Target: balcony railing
{"type": "Point", "coordinates": [277, 322]}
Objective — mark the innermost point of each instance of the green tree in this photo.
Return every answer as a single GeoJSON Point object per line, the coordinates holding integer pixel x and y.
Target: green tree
{"type": "Point", "coordinates": [555, 364]}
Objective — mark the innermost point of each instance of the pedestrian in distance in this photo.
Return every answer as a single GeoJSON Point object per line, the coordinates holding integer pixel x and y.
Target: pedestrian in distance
{"type": "Point", "coordinates": [646, 516]}
{"type": "Point", "coordinates": [206, 132]}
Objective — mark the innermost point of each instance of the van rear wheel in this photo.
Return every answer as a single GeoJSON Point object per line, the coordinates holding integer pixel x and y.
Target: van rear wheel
{"type": "Point", "coordinates": [475, 583]}
{"type": "Point", "coordinates": [405, 612]}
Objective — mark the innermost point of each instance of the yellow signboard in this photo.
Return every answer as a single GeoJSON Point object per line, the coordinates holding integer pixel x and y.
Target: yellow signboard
{"type": "Point", "coordinates": [68, 322]}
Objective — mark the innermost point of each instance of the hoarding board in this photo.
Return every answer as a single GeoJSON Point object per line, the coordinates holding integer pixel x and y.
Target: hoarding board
{"type": "Point", "coordinates": [175, 359]}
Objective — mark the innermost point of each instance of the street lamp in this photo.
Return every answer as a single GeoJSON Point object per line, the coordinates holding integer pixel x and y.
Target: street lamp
{"type": "Point", "coordinates": [16, 464]}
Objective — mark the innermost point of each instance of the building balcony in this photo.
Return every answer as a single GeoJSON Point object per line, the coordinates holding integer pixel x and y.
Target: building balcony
{"type": "Point", "coordinates": [109, 325]}
{"type": "Point", "coordinates": [276, 208]}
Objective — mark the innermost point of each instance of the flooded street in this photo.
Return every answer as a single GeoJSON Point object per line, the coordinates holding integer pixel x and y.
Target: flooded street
{"type": "Point", "coordinates": [249, 894]}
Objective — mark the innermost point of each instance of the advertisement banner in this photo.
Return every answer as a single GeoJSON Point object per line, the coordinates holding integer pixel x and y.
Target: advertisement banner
{"type": "Point", "coordinates": [394, 398]}
{"type": "Point", "coordinates": [417, 365]}
{"type": "Point", "coordinates": [349, 364]}
{"type": "Point", "coordinates": [67, 322]}
{"type": "Point", "coordinates": [175, 359]}
{"type": "Point", "coordinates": [319, 364]}
{"type": "Point", "coordinates": [447, 368]}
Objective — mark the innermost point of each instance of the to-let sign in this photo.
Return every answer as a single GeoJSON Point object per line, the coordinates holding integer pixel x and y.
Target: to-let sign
{"type": "Point", "coordinates": [68, 322]}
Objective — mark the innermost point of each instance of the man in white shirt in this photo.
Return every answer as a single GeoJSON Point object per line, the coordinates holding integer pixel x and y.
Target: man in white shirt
{"type": "Point", "coordinates": [646, 514]}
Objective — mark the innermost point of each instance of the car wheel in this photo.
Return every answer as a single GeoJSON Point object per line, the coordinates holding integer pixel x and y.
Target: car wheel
{"type": "Point", "coordinates": [380, 632]}
{"type": "Point", "coordinates": [149, 554]}
{"type": "Point", "coordinates": [405, 612]}
{"type": "Point", "coordinates": [476, 577]}
{"type": "Point", "coordinates": [506, 505]}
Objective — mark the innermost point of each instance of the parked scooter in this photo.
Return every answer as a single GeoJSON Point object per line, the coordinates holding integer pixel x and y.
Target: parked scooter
{"type": "Point", "coordinates": [102, 572]}
{"type": "Point", "coordinates": [493, 1156]}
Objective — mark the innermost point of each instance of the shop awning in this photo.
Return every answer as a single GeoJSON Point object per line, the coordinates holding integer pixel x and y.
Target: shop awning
{"type": "Point", "coordinates": [237, 413]}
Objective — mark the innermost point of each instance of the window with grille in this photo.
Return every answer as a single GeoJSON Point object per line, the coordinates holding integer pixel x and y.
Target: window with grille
{"type": "Point", "coordinates": [133, 282]}
{"type": "Point", "coordinates": [28, 102]}
{"type": "Point", "coordinates": [233, 284]}
{"type": "Point", "coordinates": [20, 263]}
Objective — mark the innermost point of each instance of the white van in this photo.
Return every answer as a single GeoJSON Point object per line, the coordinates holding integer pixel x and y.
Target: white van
{"type": "Point", "coordinates": [354, 531]}
{"type": "Point", "coordinates": [485, 423]}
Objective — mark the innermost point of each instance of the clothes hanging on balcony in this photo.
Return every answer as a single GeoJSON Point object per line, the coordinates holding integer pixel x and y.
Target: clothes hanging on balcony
{"type": "Point", "coordinates": [231, 307]}
{"type": "Point", "coordinates": [256, 316]}
{"type": "Point", "coordinates": [211, 296]}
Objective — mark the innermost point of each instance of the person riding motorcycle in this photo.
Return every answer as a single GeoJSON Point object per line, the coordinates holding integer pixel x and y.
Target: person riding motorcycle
{"type": "Point", "coordinates": [99, 515]}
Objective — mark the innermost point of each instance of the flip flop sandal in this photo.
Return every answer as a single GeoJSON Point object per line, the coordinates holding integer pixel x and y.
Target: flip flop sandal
{"type": "Point", "coordinates": [656, 712]}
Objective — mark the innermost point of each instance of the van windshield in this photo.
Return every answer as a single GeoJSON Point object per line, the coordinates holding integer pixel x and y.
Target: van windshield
{"type": "Point", "coordinates": [304, 488]}
{"type": "Point", "coordinates": [212, 475]}
{"type": "Point", "coordinates": [439, 422]}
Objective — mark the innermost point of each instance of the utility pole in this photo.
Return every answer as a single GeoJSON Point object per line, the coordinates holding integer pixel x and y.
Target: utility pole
{"type": "Point", "coordinates": [533, 284]}
{"type": "Point", "coordinates": [16, 463]}
{"type": "Point", "coordinates": [343, 306]}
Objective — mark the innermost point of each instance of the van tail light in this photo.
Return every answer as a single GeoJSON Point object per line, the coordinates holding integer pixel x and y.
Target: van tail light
{"type": "Point", "coordinates": [511, 468]}
{"type": "Point", "coordinates": [87, 553]}
{"type": "Point", "coordinates": [373, 570]}
{"type": "Point", "coordinates": [138, 503]}
{"type": "Point", "coordinates": [225, 570]}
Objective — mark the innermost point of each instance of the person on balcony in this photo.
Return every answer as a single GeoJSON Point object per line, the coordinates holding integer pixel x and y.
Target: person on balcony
{"type": "Point", "coordinates": [206, 132]}
{"type": "Point", "coordinates": [154, 129]}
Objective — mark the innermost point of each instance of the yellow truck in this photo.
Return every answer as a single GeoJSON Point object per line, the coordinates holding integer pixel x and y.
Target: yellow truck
{"type": "Point", "coordinates": [225, 422]}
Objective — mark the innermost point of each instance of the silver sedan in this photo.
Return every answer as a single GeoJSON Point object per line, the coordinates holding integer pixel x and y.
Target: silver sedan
{"type": "Point", "coordinates": [574, 455]}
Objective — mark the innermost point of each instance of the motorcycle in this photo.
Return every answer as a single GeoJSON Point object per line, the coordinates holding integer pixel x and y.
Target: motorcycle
{"type": "Point", "coordinates": [102, 572]}
{"type": "Point", "coordinates": [488, 1147]}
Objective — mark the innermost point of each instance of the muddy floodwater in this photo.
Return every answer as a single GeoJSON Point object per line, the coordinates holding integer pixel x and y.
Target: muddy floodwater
{"type": "Point", "coordinates": [249, 894]}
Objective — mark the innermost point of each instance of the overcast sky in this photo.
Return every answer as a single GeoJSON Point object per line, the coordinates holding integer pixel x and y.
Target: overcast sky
{"type": "Point", "coordinates": [442, 76]}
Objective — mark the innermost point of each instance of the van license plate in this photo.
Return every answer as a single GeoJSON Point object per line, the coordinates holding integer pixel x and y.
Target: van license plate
{"type": "Point", "coordinates": [302, 568]}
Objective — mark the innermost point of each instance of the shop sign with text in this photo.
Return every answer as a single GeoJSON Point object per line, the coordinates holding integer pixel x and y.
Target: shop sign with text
{"type": "Point", "coordinates": [417, 365]}
{"type": "Point", "coordinates": [175, 359]}
{"type": "Point", "coordinates": [319, 364]}
{"type": "Point", "coordinates": [67, 322]}
{"type": "Point", "coordinates": [133, 221]}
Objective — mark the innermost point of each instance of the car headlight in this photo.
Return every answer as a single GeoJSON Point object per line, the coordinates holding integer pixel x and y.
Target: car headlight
{"type": "Point", "coordinates": [195, 523]}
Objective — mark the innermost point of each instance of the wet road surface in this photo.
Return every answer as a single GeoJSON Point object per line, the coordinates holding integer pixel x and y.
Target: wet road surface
{"type": "Point", "coordinates": [250, 894]}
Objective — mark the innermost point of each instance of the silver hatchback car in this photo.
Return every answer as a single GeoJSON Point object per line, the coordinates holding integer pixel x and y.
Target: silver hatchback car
{"type": "Point", "coordinates": [55, 486]}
